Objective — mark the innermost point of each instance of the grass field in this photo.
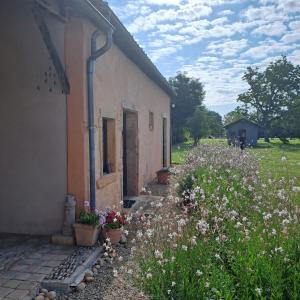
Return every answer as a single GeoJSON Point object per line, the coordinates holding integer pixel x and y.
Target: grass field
{"type": "Point", "coordinates": [275, 158]}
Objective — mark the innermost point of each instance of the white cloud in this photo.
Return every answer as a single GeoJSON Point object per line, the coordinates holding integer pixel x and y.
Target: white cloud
{"type": "Point", "coordinates": [226, 12]}
{"type": "Point", "coordinates": [294, 25]}
{"type": "Point", "coordinates": [291, 37]}
{"type": "Point", "coordinates": [227, 48]}
{"type": "Point", "coordinates": [272, 29]}
{"type": "Point", "coordinates": [268, 48]}
{"type": "Point", "coordinates": [157, 54]}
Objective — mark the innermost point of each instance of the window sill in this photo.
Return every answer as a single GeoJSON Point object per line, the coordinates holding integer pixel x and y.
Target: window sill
{"type": "Point", "coordinates": [106, 180]}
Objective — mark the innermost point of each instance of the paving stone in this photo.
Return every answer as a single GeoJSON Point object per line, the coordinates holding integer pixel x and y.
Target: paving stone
{"type": "Point", "coordinates": [17, 295]}
{"type": "Point", "coordinates": [8, 275]}
{"type": "Point", "coordinates": [31, 261]}
{"type": "Point", "coordinates": [50, 263]}
{"type": "Point", "coordinates": [5, 291]}
{"type": "Point", "coordinates": [27, 285]}
{"type": "Point", "coordinates": [19, 267]}
{"type": "Point", "coordinates": [32, 269]}
{"type": "Point", "coordinates": [2, 281]}
{"type": "Point", "coordinates": [36, 277]}
{"type": "Point", "coordinates": [22, 276]}
{"type": "Point", "coordinates": [44, 270]}
{"type": "Point", "coordinates": [12, 283]}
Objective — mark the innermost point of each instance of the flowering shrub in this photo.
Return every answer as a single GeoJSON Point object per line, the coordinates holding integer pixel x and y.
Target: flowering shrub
{"type": "Point", "coordinates": [235, 235]}
{"type": "Point", "coordinates": [112, 220]}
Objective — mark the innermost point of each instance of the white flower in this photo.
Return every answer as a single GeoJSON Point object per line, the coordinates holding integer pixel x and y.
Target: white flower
{"type": "Point", "coordinates": [184, 247]}
{"type": "Point", "coordinates": [115, 273]}
{"type": "Point", "coordinates": [258, 291]}
{"type": "Point", "coordinates": [199, 273]}
{"type": "Point", "coordinates": [296, 189]}
{"type": "Point", "coordinates": [283, 158]}
{"type": "Point", "coordinates": [173, 283]}
{"type": "Point", "coordinates": [202, 226]}
{"type": "Point", "coordinates": [158, 254]}
{"type": "Point", "coordinates": [148, 275]}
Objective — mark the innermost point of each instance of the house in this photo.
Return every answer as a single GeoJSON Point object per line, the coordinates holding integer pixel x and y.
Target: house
{"type": "Point", "coordinates": [83, 111]}
{"type": "Point", "coordinates": [242, 128]}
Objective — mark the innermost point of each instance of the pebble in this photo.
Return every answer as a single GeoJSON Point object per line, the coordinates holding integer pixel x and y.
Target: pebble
{"type": "Point", "coordinates": [89, 279]}
{"type": "Point", "coordinates": [40, 297]}
{"type": "Point", "coordinates": [51, 295]}
{"type": "Point", "coordinates": [89, 273]}
{"type": "Point", "coordinates": [123, 239]}
{"type": "Point", "coordinates": [81, 286]}
{"type": "Point", "coordinates": [44, 291]}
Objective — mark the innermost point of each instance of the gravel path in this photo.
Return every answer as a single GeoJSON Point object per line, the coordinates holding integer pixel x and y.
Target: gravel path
{"type": "Point", "coordinates": [106, 286]}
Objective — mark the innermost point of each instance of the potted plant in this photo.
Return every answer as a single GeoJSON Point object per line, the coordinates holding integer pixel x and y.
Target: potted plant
{"type": "Point", "coordinates": [87, 229]}
{"type": "Point", "coordinates": [163, 175]}
{"type": "Point", "coordinates": [112, 223]}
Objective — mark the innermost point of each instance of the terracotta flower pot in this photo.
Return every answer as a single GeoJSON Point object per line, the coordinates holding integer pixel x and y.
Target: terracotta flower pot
{"type": "Point", "coordinates": [113, 234]}
{"type": "Point", "coordinates": [86, 235]}
{"type": "Point", "coordinates": [163, 176]}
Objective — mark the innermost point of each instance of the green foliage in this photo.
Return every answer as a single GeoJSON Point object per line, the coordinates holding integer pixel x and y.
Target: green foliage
{"type": "Point", "coordinates": [237, 114]}
{"type": "Point", "coordinates": [215, 124]}
{"type": "Point", "coordinates": [198, 124]}
{"type": "Point", "coordinates": [89, 218]}
{"type": "Point", "coordinates": [272, 92]}
{"type": "Point", "coordinates": [189, 95]}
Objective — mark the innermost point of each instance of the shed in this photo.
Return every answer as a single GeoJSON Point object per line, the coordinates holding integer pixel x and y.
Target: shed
{"type": "Point", "coordinates": [242, 128]}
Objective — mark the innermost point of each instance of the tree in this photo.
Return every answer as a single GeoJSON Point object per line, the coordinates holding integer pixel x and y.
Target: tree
{"type": "Point", "coordinates": [189, 95]}
{"type": "Point", "coordinates": [272, 91]}
{"type": "Point", "coordinates": [215, 123]}
{"type": "Point", "coordinates": [198, 124]}
{"type": "Point", "coordinates": [237, 114]}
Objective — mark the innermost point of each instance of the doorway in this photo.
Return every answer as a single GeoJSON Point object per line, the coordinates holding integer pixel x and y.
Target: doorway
{"type": "Point", "coordinates": [165, 143]}
{"type": "Point", "coordinates": [130, 153]}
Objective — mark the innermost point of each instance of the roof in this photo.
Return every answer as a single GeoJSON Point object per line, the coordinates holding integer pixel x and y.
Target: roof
{"type": "Point", "coordinates": [103, 16]}
{"type": "Point", "coordinates": [240, 120]}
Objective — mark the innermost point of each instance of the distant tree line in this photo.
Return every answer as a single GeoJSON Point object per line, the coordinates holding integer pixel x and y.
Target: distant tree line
{"type": "Point", "coordinates": [272, 100]}
{"type": "Point", "coordinates": [189, 116]}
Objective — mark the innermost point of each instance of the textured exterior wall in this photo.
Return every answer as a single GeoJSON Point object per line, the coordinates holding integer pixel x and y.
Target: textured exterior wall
{"type": "Point", "coordinates": [33, 179]}
{"type": "Point", "coordinates": [120, 84]}
{"type": "Point", "coordinates": [251, 132]}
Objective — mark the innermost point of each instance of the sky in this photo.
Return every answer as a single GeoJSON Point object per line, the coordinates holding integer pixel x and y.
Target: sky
{"type": "Point", "coordinates": [213, 40]}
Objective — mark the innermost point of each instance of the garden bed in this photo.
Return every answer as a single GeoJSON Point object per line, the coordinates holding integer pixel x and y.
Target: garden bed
{"type": "Point", "coordinates": [225, 233]}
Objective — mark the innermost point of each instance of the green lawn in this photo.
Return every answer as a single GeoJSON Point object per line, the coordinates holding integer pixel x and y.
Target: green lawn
{"type": "Point", "coordinates": [275, 158]}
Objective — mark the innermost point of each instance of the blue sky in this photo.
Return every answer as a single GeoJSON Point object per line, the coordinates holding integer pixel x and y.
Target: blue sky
{"type": "Point", "coordinates": [214, 40]}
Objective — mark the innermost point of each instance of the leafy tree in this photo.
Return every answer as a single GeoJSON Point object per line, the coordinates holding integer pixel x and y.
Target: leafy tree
{"type": "Point", "coordinates": [272, 91]}
{"type": "Point", "coordinates": [198, 124]}
{"type": "Point", "coordinates": [189, 95]}
{"type": "Point", "coordinates": [237, 114]}
{"type": "Point", "coordinates": [215, 123]}
{"type": "Point", "coordinates": [288, 125]}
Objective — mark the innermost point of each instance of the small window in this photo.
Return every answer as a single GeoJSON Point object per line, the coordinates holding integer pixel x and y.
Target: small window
{"type": "Point", "coordinates": [108, 146]}
{"type": "Point", "coordinates": [151, 120]}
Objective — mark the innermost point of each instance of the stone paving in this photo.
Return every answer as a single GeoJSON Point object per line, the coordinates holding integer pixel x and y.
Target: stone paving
{"type": "Point", "coordinates": [24, 262]}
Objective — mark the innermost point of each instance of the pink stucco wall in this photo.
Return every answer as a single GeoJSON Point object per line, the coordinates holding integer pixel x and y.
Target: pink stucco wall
{"type": "Point", "coordinates": [120, 84]}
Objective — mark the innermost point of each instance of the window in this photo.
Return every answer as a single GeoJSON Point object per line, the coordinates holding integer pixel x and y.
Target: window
{"type": "Point", "coordinates": [108, 146]}
{"type": "Point", "coordinates": [151, 120]}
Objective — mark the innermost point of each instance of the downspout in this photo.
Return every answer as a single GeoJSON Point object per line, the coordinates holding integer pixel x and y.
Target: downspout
{"type": "Point", "coordinates": [91, 62]}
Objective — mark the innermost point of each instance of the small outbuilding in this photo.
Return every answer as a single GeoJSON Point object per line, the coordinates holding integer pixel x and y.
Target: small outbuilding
{"type": "Point", "coordinates": [242, 129]}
